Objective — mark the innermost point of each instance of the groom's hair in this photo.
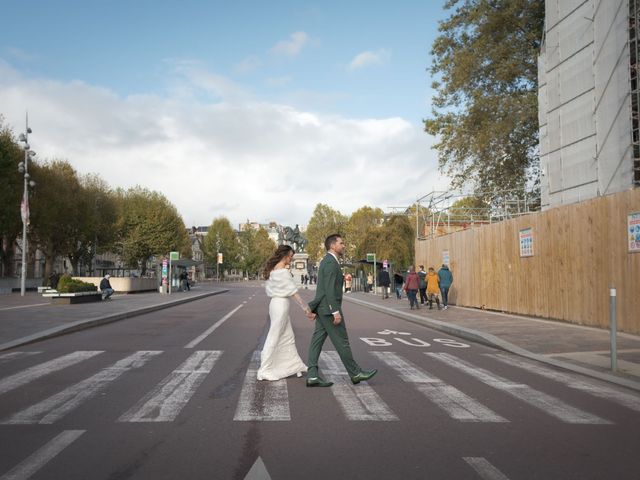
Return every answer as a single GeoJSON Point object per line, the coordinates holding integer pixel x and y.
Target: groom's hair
{"type": "Point", "coordinates": [330, 240]}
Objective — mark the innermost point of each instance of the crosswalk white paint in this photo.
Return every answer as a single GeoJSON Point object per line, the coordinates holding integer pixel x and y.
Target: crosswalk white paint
{"type": "Point", "coordinates": [28, 467]}
{"type": "Point", "coordinates": [211, 329]}
{"type": "Point", "coordinates": [484, 468]}
{"type": "Point", "coordinates": [8, 357]}
{"type": "Point", "coordinates": [457, 404]}
{"type": "Point", "coordinates": [164, 403]}
{"type": "Point", "coordinates": [598, 390]}
{"type": "Point", "coordinates": [58, 405]}
{"type": "Point", "coordinates": [37, 371]}
{"type": "Point", "coordinates": [548, 404]}
{"type": "Point", "coordinates": [358, 402]}
{"type": "Point", "coordinates": [262, 400]}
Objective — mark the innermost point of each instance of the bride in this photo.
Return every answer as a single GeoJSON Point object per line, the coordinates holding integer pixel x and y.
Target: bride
{"type": "Point", "coordinates": [279, 357]}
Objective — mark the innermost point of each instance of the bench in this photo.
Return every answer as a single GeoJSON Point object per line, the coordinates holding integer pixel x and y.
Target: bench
{"type": "Point", "coordinates": [70, 298]}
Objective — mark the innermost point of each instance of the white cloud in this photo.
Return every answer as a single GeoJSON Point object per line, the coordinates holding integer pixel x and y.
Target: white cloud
{"type": "Point", "coordinates": [369, 59]}
{"type": "Point", "coordinates": [248, 65]}
{"type": "Point", "coordinates": [291, 47]}
{"type": "Point", "coordinates": [278, 81]}
{"type": "Point", "coordinates": [235, 156]}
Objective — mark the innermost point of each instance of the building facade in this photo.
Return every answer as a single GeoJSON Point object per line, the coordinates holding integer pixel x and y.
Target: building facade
{"type": "Point", "coordinates": [588, 100]}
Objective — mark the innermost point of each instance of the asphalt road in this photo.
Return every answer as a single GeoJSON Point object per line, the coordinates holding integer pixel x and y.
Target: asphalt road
{"type": "Point", "coordinates": [173, 395]}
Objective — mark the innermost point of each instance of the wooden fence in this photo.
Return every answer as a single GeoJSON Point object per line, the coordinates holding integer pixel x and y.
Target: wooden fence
{"type": "Point", "coordinates": [579, 251]}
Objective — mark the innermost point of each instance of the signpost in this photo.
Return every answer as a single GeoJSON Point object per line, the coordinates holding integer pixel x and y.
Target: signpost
{"type": "Point", "coordinates": [172, 256]}
{"type": "Point", "coordinates": [371, 257]}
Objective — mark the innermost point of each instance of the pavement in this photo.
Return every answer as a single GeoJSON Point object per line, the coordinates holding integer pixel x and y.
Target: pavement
{"type": "Point", "coordinates": [585, 350]}
{"type": "Point", "coordinates": [581, 349]}
{"type": "Point", "coordinates": [28, 319]}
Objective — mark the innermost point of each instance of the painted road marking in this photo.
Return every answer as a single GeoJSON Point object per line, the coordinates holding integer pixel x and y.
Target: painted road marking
{"type": "Point", "coordinates": [258, 471]}
{"type": "Point", "coordinates": [26, 306]}
{"type": "Point", "coordinates": [485, 469]}
{"type": "Point", "coordinates": [457, 404]}
{"type": "Point", "coordinates": [58, 405]}
{"type": "Point", "coordinates": [358, 402]}
{"type": "Point", "coordinates": [262, 400]}
{"type": "Point", "coordinates": [7, 357]}
{"type": "Point", "coordinates": [41, 457]}
{"type": "Point", "coordinates": [37, 371]}
{"type": "Point", "coordinates": [211, 329]}
{"type": "Point", "coordinates": [164, 403]}
{"type": "Point", "coordinates": [548, 404]}
{"type": "Point", "coordinates": [602, 391]}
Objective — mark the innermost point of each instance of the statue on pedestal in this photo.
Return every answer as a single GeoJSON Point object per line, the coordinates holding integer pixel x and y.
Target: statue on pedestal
{"type": "Point", "coordinates": [293, 237]}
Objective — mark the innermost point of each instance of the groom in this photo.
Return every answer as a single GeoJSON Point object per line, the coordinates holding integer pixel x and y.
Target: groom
{"type": "Point", "coordinates": [329, 322]}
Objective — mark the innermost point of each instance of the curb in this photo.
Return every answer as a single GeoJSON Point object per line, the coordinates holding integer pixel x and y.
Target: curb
{"type": "Point", "coordinates": [95, 322]}
{"type": "Point", "coordinates": [493, 341]}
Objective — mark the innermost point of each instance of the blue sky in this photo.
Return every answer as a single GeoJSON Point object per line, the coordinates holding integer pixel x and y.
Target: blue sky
{"type": "Point", "coordinates": [175, 95]}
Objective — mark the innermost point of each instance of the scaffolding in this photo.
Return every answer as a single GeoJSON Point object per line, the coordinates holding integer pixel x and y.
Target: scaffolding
{"type": "Point", "coordinates": [634, 56]}
{"type": "Point", "coordinates": [440, 213]}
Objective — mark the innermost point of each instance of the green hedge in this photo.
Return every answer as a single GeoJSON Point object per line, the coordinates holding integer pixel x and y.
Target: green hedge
{"type": "Point", "coordinates": [70, 285]}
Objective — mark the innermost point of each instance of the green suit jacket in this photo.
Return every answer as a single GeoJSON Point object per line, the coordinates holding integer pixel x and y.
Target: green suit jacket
{"type": "Point", "coordinates": [328, 297]}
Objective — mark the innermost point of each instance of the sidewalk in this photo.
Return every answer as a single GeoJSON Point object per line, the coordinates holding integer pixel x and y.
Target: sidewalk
{"type": "Point", "coordinates": [31, 318]}
{"type": "Point", "coordinates": [581, 349]}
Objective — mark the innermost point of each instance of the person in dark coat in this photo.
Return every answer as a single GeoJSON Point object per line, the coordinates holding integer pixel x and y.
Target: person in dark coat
{"type": "Point", "coordinates": [398, 280]}
{"type": "Point", "coordinates": [385, 282]}
{"type": "Point", "coordinates": [445, 280]}
{"type": "Point", "coordinates": [105, 287]}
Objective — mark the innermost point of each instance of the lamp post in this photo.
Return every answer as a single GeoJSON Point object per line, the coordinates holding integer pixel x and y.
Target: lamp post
{"type": "Point", "coordinates": [23, 167]}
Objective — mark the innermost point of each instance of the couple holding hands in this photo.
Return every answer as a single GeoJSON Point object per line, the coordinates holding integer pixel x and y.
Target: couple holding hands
{"type": "Point", "coordinates": [279, 358]}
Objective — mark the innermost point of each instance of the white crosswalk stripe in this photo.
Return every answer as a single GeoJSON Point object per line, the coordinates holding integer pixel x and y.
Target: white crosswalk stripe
{"type": "Point", "coordinates": [7, 357]}
{"type": "Point", "coordinates": [548, 404]}
{"type": "Point", "coordinates": [572, 381]}
{"type": "Point", "coordinates": [164, 403]}
{"type": "Point", "coordinates": [28, 467]}
{"type": "Point", "coordinates": [358, 402]}
{"type": "Point", "coordinates": [262, 400]}
{"type": "Point", "coordinates": [58, 405]}
{"type": "Point", "coordinates": [457, 404]}
{"type": "Point", "coordinates": [33, 373]}
{"type": "Point", "coordinates": [485, 469]}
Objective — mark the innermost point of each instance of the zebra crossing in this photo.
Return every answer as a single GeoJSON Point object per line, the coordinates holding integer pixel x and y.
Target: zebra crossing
{"type": "Point", "coordinates": [270, 401]}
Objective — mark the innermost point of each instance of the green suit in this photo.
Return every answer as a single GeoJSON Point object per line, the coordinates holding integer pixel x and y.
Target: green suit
{"type": "Point", "coordinates": [328, 300]}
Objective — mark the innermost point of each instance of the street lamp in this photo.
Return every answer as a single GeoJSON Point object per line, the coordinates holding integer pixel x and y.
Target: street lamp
{"type": "Point", "coordinates": [23, 167]}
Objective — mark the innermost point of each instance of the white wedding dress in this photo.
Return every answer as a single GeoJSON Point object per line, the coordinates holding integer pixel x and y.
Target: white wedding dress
{"type": "Point", "coordinates": [279, 357]}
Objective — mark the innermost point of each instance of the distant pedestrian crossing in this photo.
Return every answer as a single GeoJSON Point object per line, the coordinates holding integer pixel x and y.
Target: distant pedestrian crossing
{"type": "Point", "coordinates": [270, 401]}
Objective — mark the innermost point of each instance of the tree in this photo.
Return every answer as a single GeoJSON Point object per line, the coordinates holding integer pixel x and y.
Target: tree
{"type": "Point", "coordinates": [360, 223]}
{"type": "Point", "coordinates": [10, 195]}
{"type": "Point", "coordinates": [485, 109]}
{"type": "Point", "coordinates": [222, 238]}
{"type": "Point", "coordinates": [55, 217]}
{"type": "Point", "coordinates": [393, 241]}
{"type": "Point", "coordinates": [148, 225]}
{"type": "Point", "coordinates": [323, 223]}
{"type": "Point", "coordinates": [256, 247]}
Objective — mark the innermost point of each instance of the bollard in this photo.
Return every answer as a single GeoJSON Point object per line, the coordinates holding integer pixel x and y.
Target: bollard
{"type": "Point", "coordinates": [613, 328]}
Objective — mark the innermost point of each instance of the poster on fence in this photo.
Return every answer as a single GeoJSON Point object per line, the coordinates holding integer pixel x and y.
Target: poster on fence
{"type": "Point", "coordinates": [633, 231]}
{"type": "Point", "coordinates": [526, 242]}
{"type": "Point", "coordinates": [445, 257]}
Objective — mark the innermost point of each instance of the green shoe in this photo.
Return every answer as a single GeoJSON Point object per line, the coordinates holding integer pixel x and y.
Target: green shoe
{"type": "Point", "coordinates": [363, 376]}
{"type": "Point", "coordinates": [318, 382]}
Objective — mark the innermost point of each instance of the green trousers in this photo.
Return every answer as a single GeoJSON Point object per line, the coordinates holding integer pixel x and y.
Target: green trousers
{"type": "Point", "coordinates": [338, 336]}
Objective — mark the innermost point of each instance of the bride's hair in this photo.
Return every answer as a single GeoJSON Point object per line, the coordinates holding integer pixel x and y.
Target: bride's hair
{"type": "Point", "coordinates": [281, 252]}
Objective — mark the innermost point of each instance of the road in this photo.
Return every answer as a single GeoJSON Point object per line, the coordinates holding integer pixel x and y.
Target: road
{"type": "Point", "coordinates": [173, 395]}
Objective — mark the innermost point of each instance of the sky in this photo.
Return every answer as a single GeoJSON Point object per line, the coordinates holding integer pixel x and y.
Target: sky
{"type": "Point", "coordinates": [251, 110]}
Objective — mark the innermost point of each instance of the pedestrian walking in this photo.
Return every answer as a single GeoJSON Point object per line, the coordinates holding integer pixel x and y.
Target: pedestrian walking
{"type": "Point", "coordinates": [423, 284]}
{"type": "Point", "coordinates": [348, 282]}
{"type": "Point", "coordinates": [327, 304]}
{"type": "Point", "coordinates": [433, 288]}
{"type": "Point", "coordinates": [385, 282]}
{"type": "Point", "coordinates": [411, 286]}
{"type": "Point", "coordinates": [445, 278]}
{"type": "Point", "coordinates": [370, 282]}
{"type": "Point", "coordinates": [398, 281]}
